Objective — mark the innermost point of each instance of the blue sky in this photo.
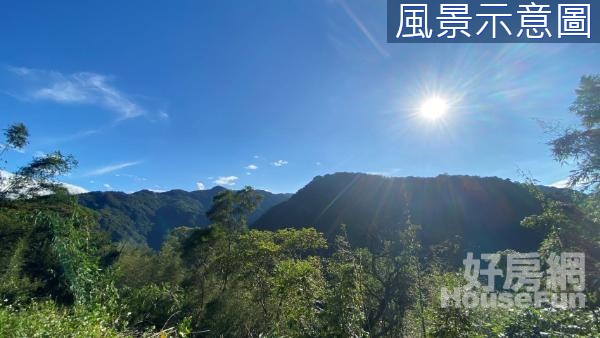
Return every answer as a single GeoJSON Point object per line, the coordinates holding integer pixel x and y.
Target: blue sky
{"type": "Point", "coordinates": [162, 95]}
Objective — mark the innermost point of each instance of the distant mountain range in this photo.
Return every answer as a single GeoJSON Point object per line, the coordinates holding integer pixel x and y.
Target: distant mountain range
{"type": "Point", "coordinates": [473, 213]}
{"type": "Point", "coordinates": [146, 216]}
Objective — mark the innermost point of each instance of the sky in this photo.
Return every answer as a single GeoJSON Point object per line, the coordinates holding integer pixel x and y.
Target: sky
{"type": "Point", "coordinates": [187, 95]}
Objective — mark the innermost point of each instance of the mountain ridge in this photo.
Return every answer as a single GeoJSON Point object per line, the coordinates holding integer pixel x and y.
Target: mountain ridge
{"type": "Point", "coordinates": [459, 207]}
{"type": "Point", "coordinates": [482, 213]}
{"type": "Point", "coordinates": [146, 217]}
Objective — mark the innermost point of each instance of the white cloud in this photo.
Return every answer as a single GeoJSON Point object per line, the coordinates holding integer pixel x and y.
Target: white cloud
{"type": "Point", "coordinates": [251, 167]}
{"type": "Point", "coordinates": [256, 156]}
{"type": "Point", "coordinates": [156, 190]}
{"type": "Point", "coordinates": [200, 186]}
{"type": "Point", "coordinates": [561, 184]}
{"type": "Point", "coordinates": [111, 168]}
{"type": "Point", "coordinates": [225, 180]}
{"type": "Point", "coordinates": [163, 115]}
{"type": "Point", "coordinates": [318, 163]}
{"type": "Point", "coordinates": [280, 163]}
{"type": "Point", "coordinates": [76, 88]}
{"type": "Point", "coordinates": [107, 186]}
{"type": "Point", "coordinates": [74, 189]}
{"type": "Point", "coordinates": [565, 184]}
{"type": "Point", "coordinates": [71, 188]}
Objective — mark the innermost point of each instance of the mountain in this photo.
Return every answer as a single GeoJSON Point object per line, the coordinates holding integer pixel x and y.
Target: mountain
{"type": "Point", "coordinates": [479, 214]}
{"type": "Point", "coordinates": [146, 216]}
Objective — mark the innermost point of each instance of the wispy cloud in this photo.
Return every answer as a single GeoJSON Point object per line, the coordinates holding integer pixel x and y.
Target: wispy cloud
{"type": "Point", "coordinates": [251, 167]}
{"type": "Point", "coordinates": [107, 186]}
{"type": "Point", "coordinates": [361, 26]}
{"type": "Point", "coordinates": [561, 184]}
{"type": "Point", "coordinates": [110, 168]}
{"type": "Point", "coordinates": [133, 177]}
{"type": "Point", "coordinates": [70, 138]}
{"type": "Point", "coordinates": [226, 180]}
{"type": "Point", "coordinates": [76, 88]}
{"type": "Point", "coordinates": [163, 115]}
{"type": "Point", "coordinates": [200, 186]}
{"type": "Point", "coordinates": [280, 163]}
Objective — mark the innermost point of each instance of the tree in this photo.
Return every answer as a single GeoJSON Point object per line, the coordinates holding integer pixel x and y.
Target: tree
{"type": "Point", "coordinates": [392, 274]}
{"type": "Point", "coordinates": [582, 146]}
{"type": "Point", "coordinates": [231, 208]}
{"type": "Point", "coordinates": [230, 211]}
{"type": "Point", "coordinates": [580, 231]}
{"type": "Point", "coordinates": [16, 136]}
{"type": "Point", "coordinates": [344, 314]}
{"type": "Point", "coordinates": [38, 176]}
{"type": "Point", "coordinates": [28, 238]}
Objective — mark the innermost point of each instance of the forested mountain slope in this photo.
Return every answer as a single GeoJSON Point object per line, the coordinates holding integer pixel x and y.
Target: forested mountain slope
{"type": "Point", "coordinates": [146, 216]}
{"type": "Point", "coordinates": [479, 214]}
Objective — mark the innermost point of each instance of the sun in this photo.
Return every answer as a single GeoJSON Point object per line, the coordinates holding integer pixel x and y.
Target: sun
{"type": "Point", "coordinates": [433, 108]}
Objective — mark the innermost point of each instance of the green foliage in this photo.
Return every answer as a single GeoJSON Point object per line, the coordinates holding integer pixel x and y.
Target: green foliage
{"type": "Point", "coordinates": [391, 273]}
{"type": "Point", "coordinates": [79, 258]}
{"type": "Point", "coordinates": [36, 177]}
{"type": "Point", "coordinates": [15, 286]}
{"type": "Point", "coordinates": [344, 314]}
{"type": "Point", "coordinates": [231, 209]}
{"type": "Point", "coordinates": [449, 321]}
{"type": "Point", "coordinates": [582, 146]}
{"type": "Point", "coordinates": [46, 319]}
{"type": "Point", "coordinates": [16, 136]}
{"type": "Point", "coordinates": [587, 104]}
{"type": "Point", "coordinates": [569, 227]}
{"type": "Point", "coordinates": [464, 209]}
{"type": "Point", "coordinates": [146, 217]}
{"type": "Point", "coordinates": [298, 286]}
{"type": "Point", "coordinates": [273, 281]}
{"type": "Point", "coordinates": [231, 281]}
{"type": "Point", "coordinates": [30, 233]}
{"type": "Point", "coordinates": [550, 322]}
{"type": "Point", "coordinates": [153, 306]}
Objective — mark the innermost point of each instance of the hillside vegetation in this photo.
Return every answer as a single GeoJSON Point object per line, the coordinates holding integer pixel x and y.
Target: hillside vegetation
{"type": "Point", "coordinates": [146, 217]}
